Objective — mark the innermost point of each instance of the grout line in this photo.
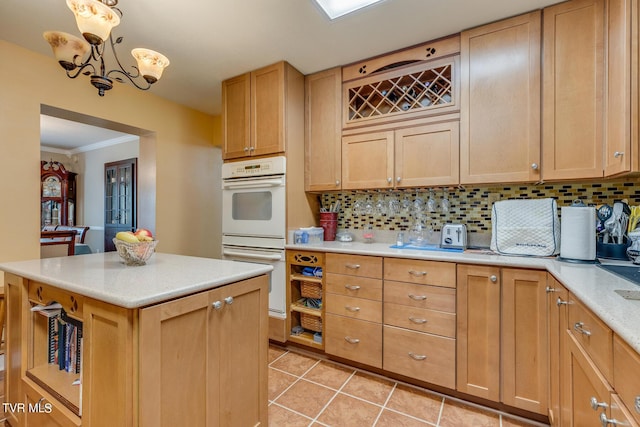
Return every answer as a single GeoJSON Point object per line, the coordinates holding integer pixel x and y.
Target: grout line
{"type": "Point", "coordinates": [291, 410]}
{"type": "Point", "coordinates": [441, 411]}
{"type": "Point", "coordinates": [384, 405]}
{"type": "Point", "coordinates": [334, 396]}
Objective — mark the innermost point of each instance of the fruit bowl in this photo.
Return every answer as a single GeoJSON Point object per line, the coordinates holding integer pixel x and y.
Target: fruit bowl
{"type": "Point", "coordinates": [135, 253]}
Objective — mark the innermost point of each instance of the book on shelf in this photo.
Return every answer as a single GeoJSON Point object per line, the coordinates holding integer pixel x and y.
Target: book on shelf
{"type": "Point", "coordinates": [64, 341]}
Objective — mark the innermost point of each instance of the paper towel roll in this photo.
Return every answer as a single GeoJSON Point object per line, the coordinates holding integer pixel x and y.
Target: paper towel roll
{"type": "Point", "coordinates": [578, 233]}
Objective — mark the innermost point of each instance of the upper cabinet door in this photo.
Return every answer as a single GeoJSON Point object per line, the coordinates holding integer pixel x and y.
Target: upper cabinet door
{"type": "Point", "coordinates": [367, 161]}
{"type": "Point", "coordinates": [267, 110]}
{"type": "Point", "coordinates": [323, 127]}
{"type": "Point", "coordinates": [236, 116]}
{"type": "Point", "coordinates": [621, 140]}
{"type": "Point", "coordinates": [573, 90]}
{"type": "Point", "coordinates": [427, 155]}
{"type": "Point", "coordinates": [500, 101]}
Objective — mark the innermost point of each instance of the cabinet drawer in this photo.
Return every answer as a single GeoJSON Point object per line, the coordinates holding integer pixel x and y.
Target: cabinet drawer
{"type": "Point", "coordinates": [626, 375]}
{"type": "Point", "coordinates": [420, 319]}
{"type": "Point", "coordinates": [355, 265]}
{"type": "Point", "coordinates": [361, 287]}
{"type": "Point", "coordinates": [421, 356]}
{"type": "Point", "coordinates": [594, 336]}
{"type": "Point", "coordinates": [422, 272]}
{"type": "Point", "coordinates": [357, 308]}
{"type": "Point", "coordinates": [49, 412]}
{"type": "Point", "coordinates": [421, 296]}
{"type": "Point", "coordinates": [356, 340]}
{"type": "Point", "coordinates": [40, 293]}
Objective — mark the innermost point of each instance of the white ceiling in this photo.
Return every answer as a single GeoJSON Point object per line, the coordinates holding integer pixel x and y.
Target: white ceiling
{"type": "Point", "coordinates": [208, 41]}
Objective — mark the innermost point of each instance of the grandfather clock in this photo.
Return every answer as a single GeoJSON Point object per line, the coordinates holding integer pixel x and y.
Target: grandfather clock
{"type": "Point", "coordinates": [57, 194]}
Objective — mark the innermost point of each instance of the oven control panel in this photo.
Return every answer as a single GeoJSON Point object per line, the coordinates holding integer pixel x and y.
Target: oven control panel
{"type": "Point", "coordinates": [257, 167]}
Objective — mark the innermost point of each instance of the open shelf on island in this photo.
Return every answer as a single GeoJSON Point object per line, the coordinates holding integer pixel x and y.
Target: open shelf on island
{"type": "Point", "coordinates": [59, 383]}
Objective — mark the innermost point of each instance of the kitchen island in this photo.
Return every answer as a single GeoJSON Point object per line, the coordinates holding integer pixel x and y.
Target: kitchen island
{"type": "Point", "coordinates": [179, 341]}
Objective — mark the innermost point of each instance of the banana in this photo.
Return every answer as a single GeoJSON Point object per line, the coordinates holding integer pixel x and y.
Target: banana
{"type": "Point", "coordinates": [142, 238]}
{"type": "Point", "coordinates": [127, 236]}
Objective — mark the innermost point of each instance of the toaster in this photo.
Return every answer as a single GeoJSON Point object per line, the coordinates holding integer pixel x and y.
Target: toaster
{"type": "Point", "coordinates": [454, 236]}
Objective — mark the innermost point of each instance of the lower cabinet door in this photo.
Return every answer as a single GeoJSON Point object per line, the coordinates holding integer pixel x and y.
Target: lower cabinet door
{"type": "Point", "coordinates": [41, 411]}
{"type": "Point", "coordinates": [425, 357]}
{"type": "Point", "coordinates": [356, 340]}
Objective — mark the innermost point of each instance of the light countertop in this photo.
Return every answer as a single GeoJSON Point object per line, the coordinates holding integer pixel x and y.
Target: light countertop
{"type": "Point", "coordinates": [104, 276]}
{"type": "Point", "coordinates": [592, 285]}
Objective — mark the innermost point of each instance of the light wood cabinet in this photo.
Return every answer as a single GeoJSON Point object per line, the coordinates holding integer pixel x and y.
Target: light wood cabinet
{"type": "Point", "coordinates": [557, 301]}
{"type": "Point", "coordinates": [409, 157]}
{"type": "Point", "coordinates": [626, 377]}
{"type": "Point", "coordinates": [354, 308]}
{"type": "Point", "coordinates": [302, 289]}
{"type": "Point", "coordinates": [502, 351]}
{"type": "Point", "coordinates": [478, 337]}
{"type": "Point", "coordinates": [500, 101]}
{"type": "Point", "coordinates": [573, 90]}
{"type": "Point", "coordinates": [142, 366]}
{"type": "Point", "coordinates": [420, 320]}
{"type": "Point", "coordinates": [323, 127]}
{"type": "Point", "coordinates": [256, 110]}
{"type": "Point", "coordinates": [524, 349]}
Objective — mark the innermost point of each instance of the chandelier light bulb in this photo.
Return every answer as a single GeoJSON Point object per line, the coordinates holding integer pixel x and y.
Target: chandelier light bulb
{"type": "Point", "coordinates": [95, 20]}
{"type": "Point", "coordinates": [150, 63]}
{"type": "Point", "coordinates": [69, 50]}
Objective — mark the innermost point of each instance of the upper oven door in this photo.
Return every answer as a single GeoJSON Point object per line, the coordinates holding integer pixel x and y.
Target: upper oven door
{"type": "Point", "coordinates": [254, 207]}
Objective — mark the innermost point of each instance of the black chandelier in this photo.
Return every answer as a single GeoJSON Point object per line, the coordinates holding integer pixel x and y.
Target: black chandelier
{"type": "Point", "coordinates": [96, 19]}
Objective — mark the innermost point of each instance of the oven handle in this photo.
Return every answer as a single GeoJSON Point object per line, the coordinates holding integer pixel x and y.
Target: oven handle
{"type": "Point", "coordinates": [276, 182]}
{"type": "Point", "coordinates": [274, 257]}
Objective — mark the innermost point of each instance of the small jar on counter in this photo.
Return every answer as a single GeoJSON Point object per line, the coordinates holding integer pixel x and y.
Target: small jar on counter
{"type": "Point", "coordinates": [368, 234]}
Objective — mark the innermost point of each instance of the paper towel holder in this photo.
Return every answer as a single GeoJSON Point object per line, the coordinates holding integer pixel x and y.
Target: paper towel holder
{"type": "Point", "coordinates": [578, 203]}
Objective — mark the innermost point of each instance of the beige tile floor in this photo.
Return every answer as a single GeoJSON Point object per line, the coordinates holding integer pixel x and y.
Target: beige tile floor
{"type": "Point", "coordinates": [307, 391]}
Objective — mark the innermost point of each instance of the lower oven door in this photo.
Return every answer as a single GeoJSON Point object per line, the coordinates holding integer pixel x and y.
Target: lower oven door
{"type": "Point", "coordinates": [273, 257]}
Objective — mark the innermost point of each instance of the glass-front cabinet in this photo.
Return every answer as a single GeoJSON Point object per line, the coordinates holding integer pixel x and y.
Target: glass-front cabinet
{"type": "Point", "coordinates": [119, 199]}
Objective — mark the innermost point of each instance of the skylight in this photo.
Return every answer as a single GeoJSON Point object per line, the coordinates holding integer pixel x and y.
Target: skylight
{"type": "Point", "coordinates": [337, 8]}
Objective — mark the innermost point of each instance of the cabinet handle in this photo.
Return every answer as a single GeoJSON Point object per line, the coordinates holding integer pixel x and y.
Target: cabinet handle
{"type": "Point", "coordinates": [418, 321]}
{"type": "Point", "coordinates": [595, 404]}
{"type": "Point", "coordinates": [217, 305]}
{"type": "Point", "coordinates": [352, 266]}
{"type": "Point", "coordinates": [618, 154]}
{"type": "Point", "coordinates": [246, 149]}
{"type": "Point", "coordinates": [534, 166]}
{"type": "Point", "coordinates": [417, 273]}
{"type": "Point", "coordinates": [228, 300]}
{"type": "Point", "coordinates": [351, 340]}
{"type": "Point", "coordinates": [337, 182]}
{"type": "Point", "coordinates": [549, 289]}
{"type": "Point", "coordinates": [637, 404]}
{"type": "Point", "coordinates": [251, 148]}
{"type": "Point", "coordinates": [352, 309]}
{"type": "Point", "coordinates": [606, 421]}
{"type": "Point", "coordinates": [493, 278]}
{"type": "Point", "coordinates": [559, 302]}
{"type": "Point", "coordinates": [398, 179]}
{"type": "Point", "coordinates": [579, 327]}
{"type": "Point", "coordinates": [417, 297]}
{"type": "Point", "coordinates": [352, 287]}
{"type": "Point", "coordinates": [389, 180]}
{"type": "Point", "coordinates": [417, 356]}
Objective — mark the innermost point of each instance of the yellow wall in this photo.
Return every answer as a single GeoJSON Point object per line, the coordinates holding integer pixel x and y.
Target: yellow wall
{"type": "Point", "coordinates": [184, 149]}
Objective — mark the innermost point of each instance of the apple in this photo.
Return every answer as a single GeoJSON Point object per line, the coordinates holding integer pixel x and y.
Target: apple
{"type": "Point", "coordinates": [143, 232]}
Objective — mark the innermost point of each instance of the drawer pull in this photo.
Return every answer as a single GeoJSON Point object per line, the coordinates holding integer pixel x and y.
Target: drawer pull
{"type": "Point", "coordinates": [352, 309]}
{"type": "Point", "coordinates": [579, 327]}
{"type": "Point", "coordinates": [418, 321]}
{"type": "Point", "coordinates": [418, 297]}
{"type": "Point", "coordinates": [559, 302]}
{"type": "Point", "coordinates": [352, 266]}
{"type": "Point", "coordinates": [217, 305]}
{"type": "Point", "coordinates": [595, 404]}
{"type": "Point", "coordinates": [549, 289]}
{"type": "Point", "coordinates": [417, 356]}
{"type": "Point", "coordinates": [417, 273]}
{"type": "Point", "coordinates": [606, 421]}
{"type": "Point", "coordinates": [351, 340]}
{"type": "Point", "coordinates": [352, 287]}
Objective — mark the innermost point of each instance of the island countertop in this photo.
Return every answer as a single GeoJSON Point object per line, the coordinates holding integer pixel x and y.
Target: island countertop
{"type": "Point", "coordinates": [103, 276]}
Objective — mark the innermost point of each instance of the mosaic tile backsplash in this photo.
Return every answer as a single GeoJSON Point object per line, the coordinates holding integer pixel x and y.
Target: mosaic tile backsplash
{"type": "Point", "coordinates": [471, 206]}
